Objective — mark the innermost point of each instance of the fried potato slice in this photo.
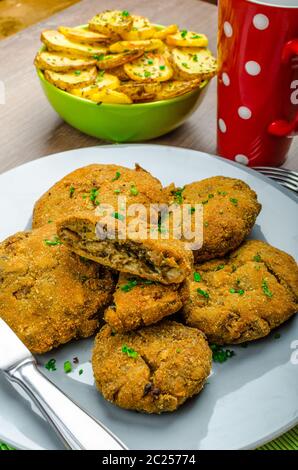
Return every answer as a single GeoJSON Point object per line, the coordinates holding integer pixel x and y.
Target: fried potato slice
{"type": "Point", "coordinates": [56, 41]}
{"type": "Point", "coordinates": [111, 22]}
{"type": "Point", "coordinates": [140, 91]}
{"type": "Point", "coordinates": [115, 60]}
{"type": "Point", "coordinates": [150, 67]}
{"type": "Point", "coordinates": [106, 95]}
{"type": "Point", "coordinates": [119, 72]}
{"type": "Point", "coordinates": [69, 80]}
{"type": "Point", "coordinates": [83, 35]}
{"type": "Point", "coordinates": [102, 81]}
{"type": "Point", "coordinates": [187, 39]}
{"type": "Point", "coordinates": [190, 63]}
{"type": "Point", "coordinates": [141, 29]}
{"type": "Point", "coordinates": [60, 63]}
{"type": "Point", "coordinates": [162, 33]}
{"type": "Point", "coordinates": [144, 45]}
{"type": "Point", "coordinates": [176, 88]}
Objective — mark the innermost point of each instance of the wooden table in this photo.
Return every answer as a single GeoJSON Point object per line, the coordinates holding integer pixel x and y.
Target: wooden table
{"type": "Point", "coordinates": [30, 129]}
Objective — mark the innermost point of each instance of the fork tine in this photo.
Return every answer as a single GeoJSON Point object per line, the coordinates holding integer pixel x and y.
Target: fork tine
{"type": "Point", "coordinates": [282, 170]}
{"type": "Point", "coordinates": [289, 186]}
{"type": "Point", "coordinates": [290, 178]}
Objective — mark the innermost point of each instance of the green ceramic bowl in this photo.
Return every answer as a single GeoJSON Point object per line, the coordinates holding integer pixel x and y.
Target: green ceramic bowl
{"type": "Point", "coordinates": [122, 122]}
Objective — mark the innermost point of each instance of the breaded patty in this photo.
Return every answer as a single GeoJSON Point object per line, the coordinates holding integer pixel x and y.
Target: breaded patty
{"type": "Point", "coordinates": [165, 261]}
{"type": "Point", "coordinates": [154, 369]}
{"type": "Point", "coordinates": [49, 295]}
{"type": "Point", "coordinates": [230, 211]}
{"type": "Point", "coordinates": [84, 189]}
{"type": "Point", "coordinates": [243, 296]}
{"type": "Point", "coordinates": [140, 302]}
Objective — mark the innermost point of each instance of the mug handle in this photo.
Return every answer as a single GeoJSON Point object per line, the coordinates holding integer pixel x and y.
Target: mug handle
{"type": "Point", "coordinates": [281, 127]}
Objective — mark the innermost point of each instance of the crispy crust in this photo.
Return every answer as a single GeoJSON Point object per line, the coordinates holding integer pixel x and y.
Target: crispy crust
{"type": "Point", "coordinates": [230, 211]}
{"type": "Point", "coordinates": [48, 295]}
{"type": "Point", "coordinates": [172, 365]}
{"type": "Point", "coordinates": [58, 201]}
{"type": "Point", "coordinates": [269, 279]}
{"type": "Point", "coordinates": [145, 303]}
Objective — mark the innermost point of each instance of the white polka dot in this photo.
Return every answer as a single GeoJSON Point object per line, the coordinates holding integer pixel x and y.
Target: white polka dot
{"type": "Point", "coordinates": [228, 29]}
{"type": "Point", "coordinates": [222, 125]}
{"type": "Point", "coordinates": [260, 21]}
{"type": "Point", "coordinates": [225, 79]}
{"type": "Point", "coordinates": [244, 112]}
{"type": "Point", "coordinates": [241, 159]}
{"type": "Point", "coordinates": [252, 68]}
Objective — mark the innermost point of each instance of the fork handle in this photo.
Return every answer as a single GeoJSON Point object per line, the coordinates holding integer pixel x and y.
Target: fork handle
{"type": "Point", "coordinates": [77, 429]}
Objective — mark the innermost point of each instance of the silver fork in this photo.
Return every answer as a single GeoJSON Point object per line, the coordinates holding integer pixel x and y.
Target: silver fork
{"type": "Point", "coordinates": [287, 178]}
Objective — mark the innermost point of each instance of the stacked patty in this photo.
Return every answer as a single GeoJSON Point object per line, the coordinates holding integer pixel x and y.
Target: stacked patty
{"type": "Point", "coordinates": [59, 280]}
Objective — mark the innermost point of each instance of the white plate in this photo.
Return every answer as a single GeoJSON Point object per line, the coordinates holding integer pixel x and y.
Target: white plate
{"type": "Point", "coordinates": [249, 400]}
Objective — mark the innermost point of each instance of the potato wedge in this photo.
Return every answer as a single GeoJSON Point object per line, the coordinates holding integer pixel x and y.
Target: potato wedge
{"type": "Point", "coordinates": [102, 81]}
{"type": "Point", "coordinates": [162, 33]}
{"type": "Point", "coordinates": [176, 88]}
{"type": "Point", "coordinates": [111, 22]}
{"type": "Point", "coordinates": [119, 72]}
{"type": "Point", "coordinates": [106, 95]}
{"type": "Point", "coordinates": [140, 91]}
{"type": "Point", "coordinates": [190, 63]}
{"type": "Point", "coordinates": [83, 35]}
{"type": "Point", "coordinates": [110, 61]}
{"type": "Point", "coordinates": [56, 41]}
{"type": "Point", "coordinates": [60, 63]}
{"type": "Point", "coordinates": [69, 80]}
{"type": "Point", "coordinates": [141, 29]}
{"type": "Point", "coordinates": [144, 45]}
{"type": "Point", "coordinates": [150, 67]}
{"type": "Point", "coordinates": [187, 39]}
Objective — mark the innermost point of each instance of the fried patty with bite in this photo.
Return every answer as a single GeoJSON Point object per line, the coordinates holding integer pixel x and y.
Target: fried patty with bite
{"type": "Point", "coordinates": [230, 210]}
{"type": "Point", "coordinates": [139, 302]}
{"type": "Point", "coordinates": [152, 370]}
{"type": "Point", "coordinates": [49, 295]}
{"type": "Point", "coordinates": [243, 296]}
{"type": "Point", "coordinates": [86, 188]}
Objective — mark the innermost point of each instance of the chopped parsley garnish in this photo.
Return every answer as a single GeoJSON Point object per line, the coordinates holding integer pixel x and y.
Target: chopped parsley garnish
{"type": "Point", "coordinates": [93, 196]}
{"type": "Point", "coordinates": [162, 67]}
{"type": "Point", "coordinates": [118, 216]}
{"type": "Point", "coordinates": [277, 336]}
{"type": "Point", "coordinates": [234, 201]}
{"type": "Point", "coordinates": [129, 351]}
{"type": "Point", "coordinates": [178, 195]}
{"type": "Point", "coordinates": [183, 33]}
{"type": "Point", "coordinates": [150, 62]}
{"type": "Point", "coordinates": [67, 367]}
{"type": "Point", "coordinates": [178, 350]}
{"type": "Point", "coordinates": [192, 210]}
{"type": "Point", "coordinates": [205, 202]}
{"type": "Point", "coordinates": [266, 289]}
{"type": "Point", "coordinates": [147, 73]}
{"type": "Point", "coordinates": [100, 73]}
{"type": "Point", "coordinates": [219, 267]}
{"type": "Point", "coordinates": [53, 242]}
{"type": "Point", "coordinates": [51, 365]}
{"type": "Point", "coordinates": [257, 258]}
{"type": "Point", "coordinates": [134, 191]}
{"type": "Point", "coordinates": [117, 191]}
{"type": "Point", "coordinates": [125, 13]}
{"type": "Point", "coordinates": [50, 221]}
{"type": "Point", "coordinates": [219, 354]}
{"type": "Point", "coordinates": [195, 58]}
{"type": "Point", "coordinates": [203, 293]}
{"type": "Point", "coordinates": [185, 65]}
{"type": "Point", "coordinates": [81, 371]}
{"type": "Point", "coordinates": [77, 72]}
{"type": "Point", "coordinates": [71, 191]}
{"type": "Point", "coordinates": [4, 446]}
{"type": "Point", "coordinates": [222, 193]}
{"type": "Point", "coordinates": [237, 291]}
{"type": "Point", "coordinates": [129, 286]}
{"type": "Point", "coordinates": [210, 196]}
{"type": "Point", "coordinates": [96, 56]}
{"type": "Point", "coordinates": [206, 224]}
{"type": "Point", "coordinates": [195, 36]}
{"type": "Point", "coordinates": [197, 277]}
{"type": "Point", "coordinates": [117, 176]}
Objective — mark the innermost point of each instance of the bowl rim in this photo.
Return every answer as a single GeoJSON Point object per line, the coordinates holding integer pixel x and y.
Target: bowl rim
{"type": "Point", "coordinates": [145, 105]}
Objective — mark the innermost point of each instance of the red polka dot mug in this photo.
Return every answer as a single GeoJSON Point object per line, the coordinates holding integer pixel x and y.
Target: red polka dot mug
{"type": "Point", "coordinates": [257, 80]}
